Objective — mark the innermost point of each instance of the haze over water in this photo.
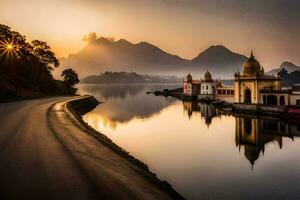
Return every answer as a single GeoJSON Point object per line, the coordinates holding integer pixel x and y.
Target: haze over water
{"type": "Point", "coordinates": [202, 153]}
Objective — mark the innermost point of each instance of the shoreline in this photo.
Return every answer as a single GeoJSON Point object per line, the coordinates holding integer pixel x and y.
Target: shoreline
{"type": "Point", "coordinates": [76, 108]}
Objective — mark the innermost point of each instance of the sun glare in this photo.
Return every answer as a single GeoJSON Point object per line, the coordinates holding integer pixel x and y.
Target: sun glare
{"type": "Point", "coordinates": [7, 49]}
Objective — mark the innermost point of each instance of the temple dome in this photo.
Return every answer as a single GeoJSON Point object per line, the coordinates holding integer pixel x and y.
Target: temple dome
{"type": "Point", "coordinates": [189, 78]}
{"type": "Point", "coordinates": [207, 76]}
{"type": "Point", "coordinates": [252, 66]}
{"type": "Point", "coordinates": [252, 153]}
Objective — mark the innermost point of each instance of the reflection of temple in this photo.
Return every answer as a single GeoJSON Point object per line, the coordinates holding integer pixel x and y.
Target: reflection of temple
{"type": "Point", "coordinates": [207, 111]}
{"type": "Point", "coordinates": [253, 134]}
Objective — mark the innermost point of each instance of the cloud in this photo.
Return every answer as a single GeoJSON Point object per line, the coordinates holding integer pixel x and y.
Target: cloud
{"type": "Point", "coordinates": [90, 37]}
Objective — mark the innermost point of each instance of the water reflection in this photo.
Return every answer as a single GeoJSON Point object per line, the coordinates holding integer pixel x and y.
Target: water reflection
{"type": "Point", "coordinates": [253, 134]}
{"type": "Point", "coordinates": [201, 152]}
{"type": "Point", "coordinates": [108, 92]}
{"type": "Point", "coordinates": [123, 103]}
{"type": "Point", "coordinates": [207, 111]}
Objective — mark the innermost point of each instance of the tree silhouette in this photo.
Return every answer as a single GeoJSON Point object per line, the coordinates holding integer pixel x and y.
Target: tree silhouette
{"type": "Point", "coordinates": [22, 54]}
{"type": "Point", "coordinates": [26, 67]}
{"type": "Point", "coordinates": [70, 77]}
{"type": "Point", "coordinates": [44, 54]}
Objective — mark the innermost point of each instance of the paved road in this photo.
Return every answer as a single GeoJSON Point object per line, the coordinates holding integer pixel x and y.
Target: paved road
{"type": "Point", "coordinates": [45, 155]}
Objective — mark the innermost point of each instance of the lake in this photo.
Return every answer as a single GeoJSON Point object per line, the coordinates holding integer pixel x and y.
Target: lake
{"type": "Point", "coordinates": [204, 154]}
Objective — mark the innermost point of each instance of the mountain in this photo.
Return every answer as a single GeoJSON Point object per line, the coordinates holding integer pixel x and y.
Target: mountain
{"type": "Point", "coordinates": [290, 67]}
{"type": "Point", "coordinates": [220, 61]}
{"type": "Point", "coordinates": [108, 55]}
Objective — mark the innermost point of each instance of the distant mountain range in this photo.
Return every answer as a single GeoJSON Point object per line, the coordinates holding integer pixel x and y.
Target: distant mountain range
{"type": "Point", "coordinates": [108, 55]}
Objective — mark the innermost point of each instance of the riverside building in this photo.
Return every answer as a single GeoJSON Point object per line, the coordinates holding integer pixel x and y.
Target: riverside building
{"type": "Point", "coordinates": [203, 89]}
{"type": "Point", "coordinates": [258, 92]}
{"type": "Point", "coordinates": [253, 90]}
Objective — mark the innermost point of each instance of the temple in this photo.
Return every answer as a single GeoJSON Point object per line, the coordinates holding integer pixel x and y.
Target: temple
{"type": "Point", "coordinates": [203, 89]}
{"type": "Point", "coordinates": [254, 86]}
{"type": "Point", "coordinates": [252, 91]}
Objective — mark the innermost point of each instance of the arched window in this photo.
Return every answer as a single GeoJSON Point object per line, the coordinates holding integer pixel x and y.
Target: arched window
{"type": "Point", "coordinates": [247, 96]}
{"type": "Point", "coordinates": [264, 99]}
{"type": "Point", "coordinates": [272, 100]}
{"type": "Point", "coordinates": [282, 100]}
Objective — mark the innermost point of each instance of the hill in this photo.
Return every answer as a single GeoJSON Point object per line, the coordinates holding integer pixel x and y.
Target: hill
{"type": "Point", "coordinates": [126, 77]}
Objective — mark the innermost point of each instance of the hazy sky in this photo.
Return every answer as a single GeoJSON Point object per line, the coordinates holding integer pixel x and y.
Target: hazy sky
{"type": "Point", "coordinates": [183, 27]}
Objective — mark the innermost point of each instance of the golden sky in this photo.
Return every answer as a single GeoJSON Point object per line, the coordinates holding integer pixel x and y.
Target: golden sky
{"type": "Point", "coordinates": [182, 27]}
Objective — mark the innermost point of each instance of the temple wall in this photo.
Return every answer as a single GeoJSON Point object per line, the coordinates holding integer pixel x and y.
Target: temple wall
{"type": "Point", "coordinates": [255, 86]}
{"type": "Point", "coordinates": [294, 98]}
{"type": "Point", "coordinates": [207, 88]}
{"type": "Point", "coordinates": [187, 88]}
{"type": "Point", "coordinates": [226, 98]}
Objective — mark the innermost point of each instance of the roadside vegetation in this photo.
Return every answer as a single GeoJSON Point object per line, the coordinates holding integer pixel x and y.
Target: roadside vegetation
{"type": "Point", "coordinates": [26, 68]}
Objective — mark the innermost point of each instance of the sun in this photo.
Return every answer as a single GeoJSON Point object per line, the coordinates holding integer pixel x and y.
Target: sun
{"type": "Point", "coordinates": [9, 47]}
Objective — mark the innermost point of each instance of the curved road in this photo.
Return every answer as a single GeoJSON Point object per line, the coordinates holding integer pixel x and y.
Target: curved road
{"type": "Point", "coordinates": [45, 155]}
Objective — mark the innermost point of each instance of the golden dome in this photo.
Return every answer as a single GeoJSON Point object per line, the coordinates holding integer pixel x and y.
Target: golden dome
{"type": "Point", "coordinates": [189, 78]}
{"type": "Point", "coordinates": [207, 76]}
{"type": "Point", "coordinates": [252, 66]}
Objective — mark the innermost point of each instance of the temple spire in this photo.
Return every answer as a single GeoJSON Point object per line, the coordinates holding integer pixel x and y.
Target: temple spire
{"type": "Point", "coordinates": [252, 54]}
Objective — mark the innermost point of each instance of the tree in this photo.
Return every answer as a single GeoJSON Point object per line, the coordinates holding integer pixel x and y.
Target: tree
{"type": "Point", "coordinates": [28, 66]}
{"type": "Point", "coordinates": [283, 73]}
{"type": "Point", "coordinates": [33, 61]}
{"type": "Point", "coordinates": [17, 42]}
{"type": "Point", "coordinates": [13, 46]}
{"type": "Point", "coordinates": [70, 77]}
{"type": "Point", "coordinates": [44, 54]}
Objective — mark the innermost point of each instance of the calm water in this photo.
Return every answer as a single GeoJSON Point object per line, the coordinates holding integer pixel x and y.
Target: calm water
{"type": "Point", "coordinates": [203, 154]}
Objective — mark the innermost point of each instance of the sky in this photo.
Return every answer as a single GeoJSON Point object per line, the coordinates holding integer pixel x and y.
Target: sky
{"type": "Point", "coordinates": [270, 28]}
